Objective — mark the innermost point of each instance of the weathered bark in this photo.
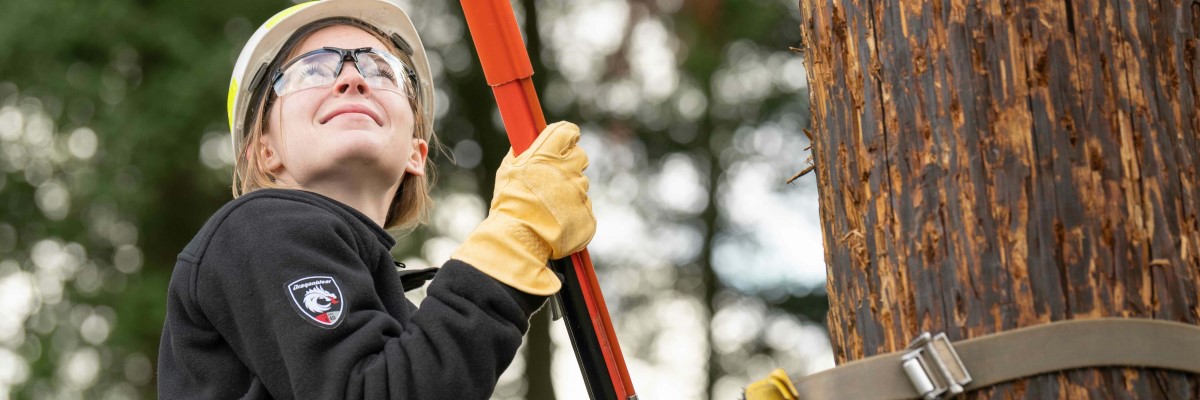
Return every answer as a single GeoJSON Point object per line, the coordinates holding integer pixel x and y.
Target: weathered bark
{"type": "Point", "coordinates": [991, 164]}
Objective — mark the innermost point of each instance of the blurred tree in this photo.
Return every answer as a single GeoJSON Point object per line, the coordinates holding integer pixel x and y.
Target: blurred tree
{"type": "Point", "coordinates": [104, 185]}
{"type": "Point", "coordinates": [539, 349]}
{"type": "Point", "coordinates": [986, 166]}
{"type": "Point", "coordinates": [714, 31]}
{"type": "Point", "coordinates": [600, 79]}
{"type": "Point", "coordinates": [114, 151]}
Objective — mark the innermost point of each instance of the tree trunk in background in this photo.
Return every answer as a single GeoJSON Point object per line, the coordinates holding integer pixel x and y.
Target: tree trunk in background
{"type": "Point", "coordinates": [988, 165]}
{"type": "Point", "coordinates": [539, 351]}
{"type": "Point", "coordinates": [711, 285]}
{"type": "Point", "coordinates": [539, 348]}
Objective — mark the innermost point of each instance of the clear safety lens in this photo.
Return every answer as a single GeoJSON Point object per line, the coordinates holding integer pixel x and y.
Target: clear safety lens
{"type": "Point", "coordinates": [320, 68]}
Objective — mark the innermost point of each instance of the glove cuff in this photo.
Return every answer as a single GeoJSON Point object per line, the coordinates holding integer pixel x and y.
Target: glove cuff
{"type": "Point", "coordinates": [509, 252]}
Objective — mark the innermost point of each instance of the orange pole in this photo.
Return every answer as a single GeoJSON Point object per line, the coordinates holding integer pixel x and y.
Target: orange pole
{"type": "Point", "coordinates": [508, 71]}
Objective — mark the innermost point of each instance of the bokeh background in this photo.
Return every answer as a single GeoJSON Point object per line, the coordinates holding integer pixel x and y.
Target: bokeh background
{"type": "Point", "coordinates": [114, 150]}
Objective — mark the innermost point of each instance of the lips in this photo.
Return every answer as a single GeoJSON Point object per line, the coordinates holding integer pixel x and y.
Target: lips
{"type": "Point", "coordinates": [352, 108]}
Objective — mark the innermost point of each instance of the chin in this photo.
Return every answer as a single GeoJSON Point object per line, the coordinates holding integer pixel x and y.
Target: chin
{"type": "Point", "coordinates": [366, 158]}
{"type": "Point", "coordinates": [353, 171]}
{"type": "Point", "coordinates": [354, 141]}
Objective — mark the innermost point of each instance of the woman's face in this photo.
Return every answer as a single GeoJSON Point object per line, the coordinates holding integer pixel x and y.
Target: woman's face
{"type": "Point", "coordinates": [346, 134]}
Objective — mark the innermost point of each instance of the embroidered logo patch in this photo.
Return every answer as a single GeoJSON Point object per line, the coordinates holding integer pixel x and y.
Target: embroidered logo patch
{"type": "Point", "coordinates": [318, 299]}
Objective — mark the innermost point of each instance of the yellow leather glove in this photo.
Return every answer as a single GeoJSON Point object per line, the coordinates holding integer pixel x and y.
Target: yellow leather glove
{"type": "Point", "coordinates": [776, 386]}
{"type": "Point", "coordinates": [540, 211]}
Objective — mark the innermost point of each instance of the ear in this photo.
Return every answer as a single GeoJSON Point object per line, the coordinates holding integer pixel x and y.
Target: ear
{"type": "Point", "coordinates": [268, 158]}
{"type": "Point", "coordinates": [416, 161]}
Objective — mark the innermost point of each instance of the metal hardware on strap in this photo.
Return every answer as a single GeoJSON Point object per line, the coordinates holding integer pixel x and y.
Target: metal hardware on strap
{"type": "Point", "coordinates": [933, 367]}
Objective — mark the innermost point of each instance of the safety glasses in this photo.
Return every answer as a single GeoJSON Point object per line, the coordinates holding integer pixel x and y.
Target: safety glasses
{"type": "Point", "coordinates": [320, 68]}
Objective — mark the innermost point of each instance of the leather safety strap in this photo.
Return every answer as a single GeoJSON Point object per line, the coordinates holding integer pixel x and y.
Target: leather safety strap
{"type": "Point", "coordinates": [1005, 356]}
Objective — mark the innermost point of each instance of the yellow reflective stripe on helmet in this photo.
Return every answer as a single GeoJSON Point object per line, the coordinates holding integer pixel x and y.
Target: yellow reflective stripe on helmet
{"type": "Point", "coordinates": [233, 88]}
{"type": "Point", "coordinates": [283, 14]}
{"type": "Point", "coordinates": [231, 101]}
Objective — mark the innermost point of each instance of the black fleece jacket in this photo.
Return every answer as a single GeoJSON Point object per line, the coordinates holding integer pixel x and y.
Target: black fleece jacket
{"type": "Point", "coordinates": [289, 294]}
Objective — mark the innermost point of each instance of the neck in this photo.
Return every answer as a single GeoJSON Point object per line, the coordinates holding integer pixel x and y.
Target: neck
{"type": "Point", "coordinates": [370, 200]}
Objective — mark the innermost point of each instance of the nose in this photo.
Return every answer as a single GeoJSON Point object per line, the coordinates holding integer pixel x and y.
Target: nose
{"type": "Point", "coordinates": [351, 81]}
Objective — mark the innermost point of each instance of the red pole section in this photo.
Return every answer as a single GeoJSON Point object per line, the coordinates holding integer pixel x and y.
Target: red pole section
{"type": "Point", "coordinates": [507, 69]}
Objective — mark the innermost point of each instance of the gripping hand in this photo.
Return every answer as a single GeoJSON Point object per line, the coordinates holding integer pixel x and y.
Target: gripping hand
{"type": "Point", "coordinates": [540, 211]}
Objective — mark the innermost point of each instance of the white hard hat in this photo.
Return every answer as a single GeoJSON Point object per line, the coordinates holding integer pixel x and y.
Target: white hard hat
{"type": "Point", "coordinates": [250, 73]}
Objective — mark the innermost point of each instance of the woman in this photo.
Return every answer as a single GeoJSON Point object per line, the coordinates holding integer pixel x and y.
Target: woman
{"type": "Point", "coordinates": [289, 291]}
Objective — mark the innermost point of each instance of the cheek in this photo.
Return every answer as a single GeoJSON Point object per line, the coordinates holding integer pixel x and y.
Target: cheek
{"type": "Point", "coordinates": [272, 118]}
{"type": "Point", "coordinates": [401, 114]}
{"type": "Point", "coordinates": [294, 111]}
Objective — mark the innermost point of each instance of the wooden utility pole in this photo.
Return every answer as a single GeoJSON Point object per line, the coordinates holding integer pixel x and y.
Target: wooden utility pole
{"type": "Point", "coordinates": [986, 165]}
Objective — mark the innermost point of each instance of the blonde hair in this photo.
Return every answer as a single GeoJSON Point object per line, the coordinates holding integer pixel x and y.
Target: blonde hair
{"type": "Point", "coordinates": [412, 203]}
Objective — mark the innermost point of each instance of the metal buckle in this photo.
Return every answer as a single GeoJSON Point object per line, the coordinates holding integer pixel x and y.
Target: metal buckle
{"type": "Point", "coordinates": [934, 368]}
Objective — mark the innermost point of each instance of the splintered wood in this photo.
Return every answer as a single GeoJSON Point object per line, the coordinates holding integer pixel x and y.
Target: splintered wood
{"type": "Point", "coordinates": [986, 165]}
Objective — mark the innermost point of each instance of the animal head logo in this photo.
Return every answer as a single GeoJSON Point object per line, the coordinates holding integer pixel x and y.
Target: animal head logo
{"type": "Point", "coordinates": [318, 299]}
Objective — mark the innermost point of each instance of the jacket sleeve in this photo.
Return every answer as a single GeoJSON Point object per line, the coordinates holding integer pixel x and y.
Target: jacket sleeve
{"type": "Point", "coordinates": [340, 341]}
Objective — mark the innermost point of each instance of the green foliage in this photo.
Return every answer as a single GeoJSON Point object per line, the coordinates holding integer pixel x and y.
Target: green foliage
{"type": "Point", "coordinates": [149, 79]}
